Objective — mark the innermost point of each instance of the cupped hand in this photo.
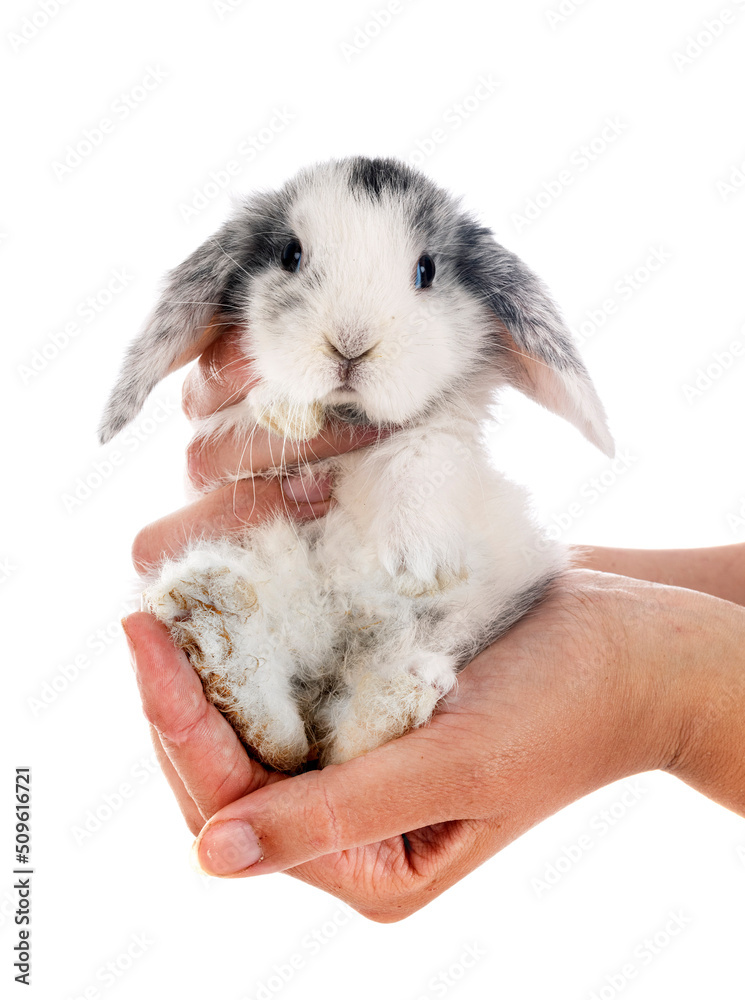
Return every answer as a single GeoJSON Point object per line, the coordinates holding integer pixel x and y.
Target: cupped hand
{"type": "Point", "coordinates": [592, 686]}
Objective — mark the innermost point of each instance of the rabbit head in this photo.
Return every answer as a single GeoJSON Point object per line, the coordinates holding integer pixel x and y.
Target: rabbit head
{"type": "Point", "coordinates": [365, 291]}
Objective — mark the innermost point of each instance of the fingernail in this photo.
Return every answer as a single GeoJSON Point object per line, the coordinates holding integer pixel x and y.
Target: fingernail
{"type": "Point", "coordinates": [306, 489]}
{"type": "Point", "coordinates": [228, 847]}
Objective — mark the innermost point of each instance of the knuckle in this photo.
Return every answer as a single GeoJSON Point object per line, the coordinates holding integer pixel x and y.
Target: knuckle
{"type": "Point", "coordinates": [248, 501]}
{"type": "Point", "coordinates": [323, 822]}
{"type": "Point", "coordinates": [186, 727]}
{"type": "Point", "coordinates": [200, 468]}
{"type": "Point", "coordinates": [220, 372]}
{"type": "Point", "coordinates": [188, 391]}
{"type": "Point", "coordinates": [144, 552]}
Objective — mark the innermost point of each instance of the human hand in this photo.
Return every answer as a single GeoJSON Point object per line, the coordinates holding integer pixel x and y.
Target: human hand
{"type": "Point", "coordinates": [223, 377]}
{"type": "Point", "coordinates": [607, 678]}
{"type": "Point", "coordinates": [220, 469]}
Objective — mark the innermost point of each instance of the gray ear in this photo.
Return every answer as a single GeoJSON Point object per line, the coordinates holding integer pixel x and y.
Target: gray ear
{"type": "Point", "coordinates": [534, 348]}
{"type": "Point", "coordinates": [204, 289]}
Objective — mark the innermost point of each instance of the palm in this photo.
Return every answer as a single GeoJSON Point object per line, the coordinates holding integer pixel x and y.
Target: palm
{"type": "Point", "coordinates": [487, 728]}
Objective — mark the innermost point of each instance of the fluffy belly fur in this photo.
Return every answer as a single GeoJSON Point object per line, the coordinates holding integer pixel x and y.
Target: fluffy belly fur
{"type": "Point", "coordinates": [327, 639]}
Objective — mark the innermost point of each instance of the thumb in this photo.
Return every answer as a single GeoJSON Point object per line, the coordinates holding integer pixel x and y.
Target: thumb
{"type": "Point", "coordinates": [393, 790]}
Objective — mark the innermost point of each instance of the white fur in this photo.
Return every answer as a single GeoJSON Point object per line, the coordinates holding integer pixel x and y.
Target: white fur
{"type": "Point", "coordinates": [421, 522]}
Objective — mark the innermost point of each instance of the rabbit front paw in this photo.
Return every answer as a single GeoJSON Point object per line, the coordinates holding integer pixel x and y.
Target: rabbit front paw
{"type": "Point", "coordinates": [285, 418]}
{"type": "Point", "coordinates": [382, 703]}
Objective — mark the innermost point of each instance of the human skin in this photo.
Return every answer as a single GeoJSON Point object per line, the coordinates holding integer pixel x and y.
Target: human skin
{"type": "Point", "coordinates": [609, 677]}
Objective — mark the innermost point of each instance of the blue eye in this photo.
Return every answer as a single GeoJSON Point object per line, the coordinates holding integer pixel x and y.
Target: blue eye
{"type": "Point", "coordinates": [425, 272]}
{"type": "Point", "coordinates": [291, 255]}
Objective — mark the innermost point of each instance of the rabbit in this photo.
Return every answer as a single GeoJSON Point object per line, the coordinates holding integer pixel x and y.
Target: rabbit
{"type": "Point", "coordinates": [367, 294]}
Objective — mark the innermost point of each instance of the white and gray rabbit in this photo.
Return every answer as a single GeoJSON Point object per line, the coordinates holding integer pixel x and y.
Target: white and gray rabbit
{"type": "Point", "coordinates": [366, 294]}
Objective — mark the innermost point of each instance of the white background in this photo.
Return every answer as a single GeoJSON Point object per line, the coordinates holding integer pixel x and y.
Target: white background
{"type": "Point", "coordinates": [66, 577]}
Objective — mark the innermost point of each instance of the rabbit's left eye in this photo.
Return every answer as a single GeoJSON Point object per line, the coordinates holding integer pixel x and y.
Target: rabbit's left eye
{"type": "Point", "coordinates": [291, 255]}
{"type": "Point", "coordinates": [425, 272]}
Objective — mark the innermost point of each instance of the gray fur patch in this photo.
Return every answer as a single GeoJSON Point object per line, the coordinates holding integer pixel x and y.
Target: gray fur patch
{"type": "Point", "coordinates": [520, 604]}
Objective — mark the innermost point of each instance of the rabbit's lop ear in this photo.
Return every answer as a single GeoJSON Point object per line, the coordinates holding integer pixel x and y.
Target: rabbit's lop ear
{"type": "Point", "coordinates": [198, 294]}
{"type": "Point", "coordinates": [534, 348]}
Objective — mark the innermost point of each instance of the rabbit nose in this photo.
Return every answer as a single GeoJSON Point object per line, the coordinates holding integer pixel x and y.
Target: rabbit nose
{"type": "Point", "coordinates": [346, 357]}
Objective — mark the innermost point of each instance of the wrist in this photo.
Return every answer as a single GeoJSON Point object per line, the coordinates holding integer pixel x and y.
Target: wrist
{"type": "Point", "coordinates": [667, 667]}
{"type": "Point", "coordinates": [711, 751]}
{"type": "Point", "coordinates": [646, 641]}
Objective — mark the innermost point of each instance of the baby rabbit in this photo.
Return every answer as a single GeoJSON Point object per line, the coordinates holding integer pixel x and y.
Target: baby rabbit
{"type": "Point", "coordinates": [366, 294]}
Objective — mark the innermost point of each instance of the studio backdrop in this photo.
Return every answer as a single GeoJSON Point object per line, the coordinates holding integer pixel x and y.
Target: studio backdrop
{"type": "Point", "coordinates": [602, 143]}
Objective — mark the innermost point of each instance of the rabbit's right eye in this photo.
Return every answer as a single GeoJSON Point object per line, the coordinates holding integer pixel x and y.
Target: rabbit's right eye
{"type": "Point", "coordinates": [291, 255]}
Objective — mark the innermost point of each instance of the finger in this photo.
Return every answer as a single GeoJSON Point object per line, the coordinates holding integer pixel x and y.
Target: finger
{"type": "Point", "coordinates": [192, 815]}
{"type": "Point", "coordinates": [212, 460]}
{"type": "Point", "coordinates": [195, 348]}
{"type": "Point", "coordinates": [401, 786]}
{"type": "Point", "coordinates": [221, 377]}
{"type": "Point", "coordinates": [199, 742]}
{"type": "Point", "coordinates": [393, 879]}
{"type": "Point", "coordinates": [228, 511]}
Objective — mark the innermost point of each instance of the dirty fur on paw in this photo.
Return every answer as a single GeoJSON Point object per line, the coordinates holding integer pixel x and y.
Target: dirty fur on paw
{"type": "Point", "coordinates": [208, 613]}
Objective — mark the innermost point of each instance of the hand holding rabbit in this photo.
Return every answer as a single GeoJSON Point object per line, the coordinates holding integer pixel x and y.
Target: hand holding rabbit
{"type": "Point", "coordinates": [608, 678]}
